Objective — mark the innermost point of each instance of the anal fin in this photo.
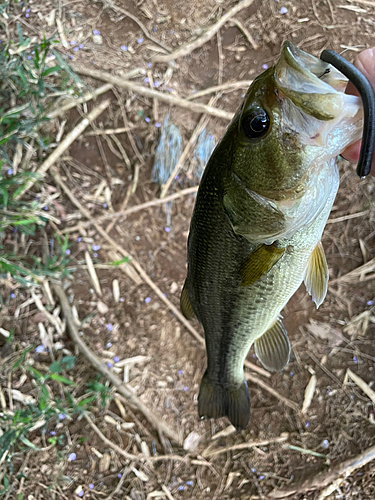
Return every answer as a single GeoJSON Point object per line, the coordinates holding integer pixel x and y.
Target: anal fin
{"type": "Point", "coordinates": [273, 347]}
{"type": "Point", "coordinates": [259, 263]}
{"type": "Point", "coordinates": [185, 305]}
{"type": "Point", "coordinates": [216, 400]}
{"type": "Point", "coordinates": [316, 277]}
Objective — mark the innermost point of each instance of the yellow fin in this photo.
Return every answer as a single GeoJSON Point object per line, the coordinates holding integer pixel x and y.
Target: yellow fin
{"type": "Point", "coordinates": [273, 347]}
{"type": "Point", "coordinates": [316, 277]}
{"type": "Point", "coordinates": [185, 305]}
{"type": "Point", "coordinates": [259, 262]}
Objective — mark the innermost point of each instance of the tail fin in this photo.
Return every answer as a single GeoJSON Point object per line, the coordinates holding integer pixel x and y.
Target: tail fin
{"type": "Point", "coordinates": [216, 401]}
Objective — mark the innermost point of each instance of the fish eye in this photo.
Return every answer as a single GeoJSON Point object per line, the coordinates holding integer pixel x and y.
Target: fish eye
{"type": "Point", "coordinates": [256, 123]}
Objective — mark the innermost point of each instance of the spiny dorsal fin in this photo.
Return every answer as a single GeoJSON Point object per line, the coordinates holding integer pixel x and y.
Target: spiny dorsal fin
{"type": "Point", "coordinates": [273, 347]}
{"type": "Point", "coordinates": [185, 305]}
{"type": "Point", "coordinates": [259, 263]}
{"type": "Point", "coordinates": [316, 277]}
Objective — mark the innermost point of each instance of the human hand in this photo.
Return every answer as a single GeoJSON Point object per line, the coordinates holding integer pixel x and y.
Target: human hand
{"type": "Point", "coordinates": [365, 62]}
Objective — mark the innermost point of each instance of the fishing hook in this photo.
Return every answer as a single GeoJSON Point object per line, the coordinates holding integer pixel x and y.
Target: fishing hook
{"type": "Point", "coordinates": [367, 94]}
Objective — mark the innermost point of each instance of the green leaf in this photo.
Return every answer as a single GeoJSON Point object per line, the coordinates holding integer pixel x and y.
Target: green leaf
{"type": "Point", "coordinates": [69, 361]}
{"type": "Point", "coordinates": [51, 70]}
{"type": "Point", "coordinates": [119, 262]}
{"type": "Point", "coordinates": [28, 443]}
{"type": "Point", "coordinates": [55, 367]}
{"type": "Point", "coordinates": [64, 380]}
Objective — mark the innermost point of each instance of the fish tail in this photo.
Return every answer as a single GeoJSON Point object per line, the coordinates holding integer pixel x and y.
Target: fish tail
{"type": "Point", "coordinates": [215, 400]}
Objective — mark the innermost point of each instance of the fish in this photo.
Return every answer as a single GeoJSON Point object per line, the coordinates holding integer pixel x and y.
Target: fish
{"type": "Point", "coordinates": [260, 211]}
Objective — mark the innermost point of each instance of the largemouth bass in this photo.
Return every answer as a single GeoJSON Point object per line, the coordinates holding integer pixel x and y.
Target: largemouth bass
{"type": "Point", "coordinates": [260, 211]}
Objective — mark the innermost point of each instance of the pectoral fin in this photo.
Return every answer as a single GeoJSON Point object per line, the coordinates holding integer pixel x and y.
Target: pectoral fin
{"type": "Point", "coordinates": [273, 347]}
{"type": "Point", "coordinates": [185, 305]}
{"type": "Point", "coordinates": [316, 277]}
{"type": "Point", "coordinates": [259, 262]}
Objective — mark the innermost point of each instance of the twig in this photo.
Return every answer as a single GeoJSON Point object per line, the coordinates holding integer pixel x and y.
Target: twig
{"type": "Point", "coordinates": [269, 389]}
{"type": "Point", "coordinates": [244, 446]}
{"type": "Point", "coordinates": [327, 477]}
{"type": "Point", "coordinates": [189, 146]}
{"type": "Point", "coordinates": [362, 385]}
{"type": "Point", "coordinates": [153, 94]}
{"type": "Point", "coordinates": [195, 44]}
{"type": "Point", "coordinates": [131, 210]}
{"type": "Point", "coordinates": [74, 102]}
{"type": "Point", "coordinates": [160, 294]}
{"type": "Point", "coordinates": [168, 494]}
{"type": "Point", "coordinates": [109, 131]}
{"type": "Point", "coordinates": [366, 2]}
{"type": "Point", "coordinates": [243, 84]}
{"type": "Point", "coordinates": [98, 365]}
{"type": "Point", "coordinates": [111, 5]}
{"type": "Point", "coordinates": [361, 270]}
{"type": "Point", "coordinates": [63, 146]}
{"type": "Point", "coordinates": [246, 32]}
{"type": "Point", "coordinates": [347, 217]}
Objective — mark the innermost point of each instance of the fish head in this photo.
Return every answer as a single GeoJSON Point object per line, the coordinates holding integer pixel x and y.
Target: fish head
{"type": "Point", "coordinates": [294, 120]}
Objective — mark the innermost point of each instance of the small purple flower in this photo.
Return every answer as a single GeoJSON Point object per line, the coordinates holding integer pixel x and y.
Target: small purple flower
{"type": "Point", "coordinates": [45, 208]}
{"type": "Point", "coordinates": [96, 32]}
{"type": "Point", "coordinates": [28, 58]}
{"type": "Point", "coordinates": [147, 119]}
{"type": "Point", "coordinates": [73, 42]}
{"type": "Point", "coordinates": [307, 424]}
{"type": "Point", "coordinates": [67, 251]}
{"type": "Point", "coordinates": [146, 80]}
{"type": "Point", "coordinates": [108, 345]}
{"type": "Point", "coordinates": [53, 433]}
{"type": "Point", "coordinates": [27, 14]}
{"type": "Point", "coordinates": [157, 124]}
{"type": "Point", "coordinates": [147, 300]}
{"type": "Point", "coordinates": [105, 205]}
{"type": "Point", "coordinates": [164, 295]}
{"type": "Point", "coordinates": [110, 327]}
{"type": "Point", "coordinates": [283, 10]}
{"type": "Point", "coordinates": [261, 478]}
{"type": "Point", "coordinates": [116, 359]}
{"type": "Point", "coordinates": [186, 388]}
{"type": "Point", "coordinates": [149, 65]}
{"type": "Point", "coordinates": [27, 10]}
{"type": "Point", "coordinates": [180, 372]}
{"type": "Point", "coordinates": [140, 40]}
{"type": "Point", "coordinates": [119, 475]}
{"type": "Point", "coordinates": [61, 416]}
{"type": "Point", "coordinates": [40, 348]}
{"type": "Point", "coordinates": [170, 90]}
{"type": "Point", "coordinates": [79, 239]}
{"type": "Point", "coordinates": [176, 177]}
{"type": "Point", "coordinates": [189, 483]}
{"type": "Point", "coordinates": [12, 296]}
{"type": "Point", "coordinates": [253, 470]}
{"type": "Point", "coordinates": [95, 247]}
{"type": "Point", "coordinates": [81, 45]}
{"type": "Point", "coordinates": [181, 487]}
{"type": "Point", "coordinates": [124, 48]}
{"type": "Point", "coordinates": [156, 83]}
{"type": "Point", "coordinates": [91, 486]}
{"type": "Point", "coordinates": [76, 49]}
{"type": "Point", "coordinates": [264, 66]}
{"type": "Point", "coordinates": [80, 494]}
{"type": "Point", "coordinates": [370, 302]}
{"type": "Point", "coordinates": [72, 457]}
{"type": "Point", "coordinates": [95, 255]}
{"type": "Point", "coordinates": [355, 359]}
{"type": "Point", "coordinates": [109, 364]}
{"type": "Point", "coordinates": [10, 171]}
{"type": "Point", "coordinates": [291, 374]}
{"type": "Point", "coordinates": [325, 444]}
{"type": "Point", "coordinates": [167, 229]}
{"type": "Point", "coordinates": [71, 56]}
{"type": "Point", "coordinates": [121, 299]}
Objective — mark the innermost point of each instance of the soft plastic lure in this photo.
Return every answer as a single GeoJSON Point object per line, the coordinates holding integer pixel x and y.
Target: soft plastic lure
{"type": "Point", "coordinates": [367, 94]}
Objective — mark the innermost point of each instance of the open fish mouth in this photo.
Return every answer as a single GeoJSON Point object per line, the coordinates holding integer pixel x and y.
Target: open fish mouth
{"type": "Point", "coordinates": [313, 100]}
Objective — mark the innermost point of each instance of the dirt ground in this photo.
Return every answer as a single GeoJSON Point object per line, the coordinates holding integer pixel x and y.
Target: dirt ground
{"type": "Point", "coordinates": [340, 422]}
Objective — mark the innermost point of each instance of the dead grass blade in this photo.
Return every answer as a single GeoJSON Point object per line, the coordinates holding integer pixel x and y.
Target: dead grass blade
{"type": "Point", "coordinates": [361, 384]}
{"type": "Point", "coordinates": [209, 452]}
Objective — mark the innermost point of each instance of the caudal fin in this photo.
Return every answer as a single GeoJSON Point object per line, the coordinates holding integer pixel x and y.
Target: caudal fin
{"type": "Point", "coordinates": [216, 401]}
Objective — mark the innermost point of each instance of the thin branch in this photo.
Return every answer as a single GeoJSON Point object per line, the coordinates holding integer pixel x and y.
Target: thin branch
{"type": "Point", "coordinates": [98, 365]}
{"type": "Point", "coordinates": [138, 88]}
{"type": "Point", "coordinates": [246, 32]}
{"type": "Point", "coordinates": [242, 84]}
{"type": "Point", "coordinates": [63, 146]}
{"type": "Point", "coordinates": [245, 446]}
{"type": "Point", "coordinates": [347, 217]}
{"type": "Point", "coordinates": [184, 50]}
{"type": "Point", "coordinates": [325, 478]}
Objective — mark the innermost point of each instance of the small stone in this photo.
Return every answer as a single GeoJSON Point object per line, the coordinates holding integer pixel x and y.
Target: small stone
{"type": "Point", "coordinates": [97, 39]}
{"type": "Point", "coordinates": [102, 308]}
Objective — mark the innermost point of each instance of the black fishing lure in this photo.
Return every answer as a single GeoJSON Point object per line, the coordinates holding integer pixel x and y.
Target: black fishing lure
{"type": "Point", "coordinates": [367, 94]}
